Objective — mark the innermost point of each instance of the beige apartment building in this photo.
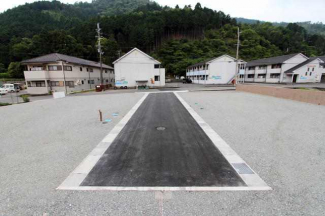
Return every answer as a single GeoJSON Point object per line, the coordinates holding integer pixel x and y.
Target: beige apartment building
{"type": "Point", "coordinates": [62, 73]}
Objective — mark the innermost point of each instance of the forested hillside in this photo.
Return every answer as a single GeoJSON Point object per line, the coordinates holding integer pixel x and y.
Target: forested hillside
{"type": "Point", "coordinates": [312, 28]}
{"type": "Point", "coordinates": [177, 36]}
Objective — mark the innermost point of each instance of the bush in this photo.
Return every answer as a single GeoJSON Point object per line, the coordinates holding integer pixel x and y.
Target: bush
{"type": "Point", "coordinates": [4, 104]}
{"type": "Point", "coordinates": [25, 98]}
{"type": "Point", "coordinates": [4, 76]}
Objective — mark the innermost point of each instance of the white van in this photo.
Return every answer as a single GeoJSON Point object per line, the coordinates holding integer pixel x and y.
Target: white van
{"type": "Point", "coordinates": [10, 88]}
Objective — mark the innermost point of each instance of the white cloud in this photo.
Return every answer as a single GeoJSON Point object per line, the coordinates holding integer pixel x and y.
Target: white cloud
{"type": "Point", "coordinates": [268, 10]}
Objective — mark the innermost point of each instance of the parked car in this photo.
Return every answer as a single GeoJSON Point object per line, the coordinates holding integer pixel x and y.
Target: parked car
{"type": "Point", "coordinates": [186, 80]}
{"type": "Point", "coordinates": [11, 88]}
{"type": "Point", "coordinates": [3, 91]}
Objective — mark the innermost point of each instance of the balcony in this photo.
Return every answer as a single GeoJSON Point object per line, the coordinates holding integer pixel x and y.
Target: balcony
{"type": "Point", "coordinates": [36, 75]}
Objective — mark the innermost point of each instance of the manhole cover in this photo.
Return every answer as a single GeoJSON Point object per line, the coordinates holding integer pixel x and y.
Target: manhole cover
{"type": "Point", "coordinates": [161, 128]}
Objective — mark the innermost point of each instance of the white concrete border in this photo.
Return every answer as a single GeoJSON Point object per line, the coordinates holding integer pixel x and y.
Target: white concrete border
{"type": "Point", "coordinates": [253, 181]}
{"type": "Point", "coordinates": [74, 180]}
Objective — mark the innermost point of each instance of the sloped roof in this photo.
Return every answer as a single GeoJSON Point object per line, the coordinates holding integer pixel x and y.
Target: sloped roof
{"type": "Point", "coordinates": [272, 60]}
{"type": "Point", "coordinates": [54, 57]}
{"type": "Point", "coordinates": [291, 70]}
{"type": "Point", "coordinates": [136, 49]}
{"type": "Point", "coordinates": [212, 59]}
{"type": "Point", "coordinates": [321, 58]}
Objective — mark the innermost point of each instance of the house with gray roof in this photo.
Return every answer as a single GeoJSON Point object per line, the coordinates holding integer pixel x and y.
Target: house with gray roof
{"type": "Point", "coordinates": [62, 73]}
{"type": "Point", "coordinates": [219, 70]}
{"type": "Point", "coordinates": [273, 70]}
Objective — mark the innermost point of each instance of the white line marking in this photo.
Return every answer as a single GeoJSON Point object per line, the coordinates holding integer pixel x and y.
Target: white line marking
{"type": "Point", "coordinates": [74, 180]}
{"type": "Point", "coordinates": [198, 189]}
{"type": "Point", "coordinates": [251, 180]}
{"type": "Point", "coordinates": [80, 173]}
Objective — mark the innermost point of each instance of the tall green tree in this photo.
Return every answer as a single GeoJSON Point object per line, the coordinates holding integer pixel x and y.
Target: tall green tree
{"type": "Point", "coordinates": [15, 70]}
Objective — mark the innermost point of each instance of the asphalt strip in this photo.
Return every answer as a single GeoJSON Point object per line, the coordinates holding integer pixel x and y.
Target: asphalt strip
{"type": "Point", "coordinates": [163, 144]}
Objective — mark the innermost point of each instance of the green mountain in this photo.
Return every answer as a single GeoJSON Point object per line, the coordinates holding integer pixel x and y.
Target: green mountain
{"type": "Point", "coordinates": [312, 28]}
{"type": "Point", "coordinates": [177, 36]}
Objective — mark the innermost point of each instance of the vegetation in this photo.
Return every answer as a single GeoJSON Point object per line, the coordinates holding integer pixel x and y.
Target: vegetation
{"type": "Point", "coordinates": [25, 98]}
{"type": "Point", "coordinates": [4, 104]}
{"type": "Point", "coordinates": [177, 36]}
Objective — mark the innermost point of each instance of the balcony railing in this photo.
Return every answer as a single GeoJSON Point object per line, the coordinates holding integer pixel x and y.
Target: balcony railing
{"type": "Point", "coordinates": [36, 75]}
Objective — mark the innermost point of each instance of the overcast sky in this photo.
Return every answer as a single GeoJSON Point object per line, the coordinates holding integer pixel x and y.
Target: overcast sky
{"type": "Point", "coordinates": [267, 10]}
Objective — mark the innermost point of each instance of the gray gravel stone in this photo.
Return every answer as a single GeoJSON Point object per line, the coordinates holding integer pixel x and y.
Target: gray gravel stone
{"type": "Point", "coordinates": [42, 142]}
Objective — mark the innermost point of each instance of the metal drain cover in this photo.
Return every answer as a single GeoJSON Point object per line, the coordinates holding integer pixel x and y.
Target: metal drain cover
{"type": "Point", "coordinates": [160, 128]}
{"type": "Point", "coordinates": [242, 168]}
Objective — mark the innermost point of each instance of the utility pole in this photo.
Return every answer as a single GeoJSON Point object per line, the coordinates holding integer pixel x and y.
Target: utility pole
{"type": "Point", "coordinates": [237, 55]}
{"type": "Point", "coordinates": [100, 54]}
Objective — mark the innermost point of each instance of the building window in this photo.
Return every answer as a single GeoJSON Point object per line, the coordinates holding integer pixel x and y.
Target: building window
{"type": "Point", "coordinates": [82, 82]}
{"type": "Point", "coordinates": [80, 68]}
{"type": "Point", "coordinates": [306, 74]}
{"type": "Point", "coordinates": [308, 69]}
{"type": "Point", "coordinates": [105, 71]}
{"type": "Point", "coordinates": [54, 83]}
{"type": "Point", "coordinates": [276, 66]}
{"type": "Point", "coordinates": [157, 66]}
{"type": "Point", "coordinates": [274, 76]}
{"type": "Point", "coordinates": [70, 84]}
{"type": "Point", "coordinates": [263, 67]}
{"type": "Point", "coordinates": [157, 78]}
{"type": "Point", "coordinates": [250, 76]}
{"type": "Point", "coordinates": [40, 84]}
{"type": "Point", "coordinates": [313, 69]}
{"type": "Point", "coordinates": [55, 68]}
{"type": "Point", "coordinates": [251, 68]}
{"type": "Point", "coordinates": [310, 73]}
{"type": "Point", "coordinates": [261, 76]}
{"type": "Point", "coordinates": [91, 82]}
{"type": "Point", "coordinates": [106, 81]}
{"type": "Point", "coordinates": [90, 70]}
{"type": "Point", "coordinates": [67, 68]}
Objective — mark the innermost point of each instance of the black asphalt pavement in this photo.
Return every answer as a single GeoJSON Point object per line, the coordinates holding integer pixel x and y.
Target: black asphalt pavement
{"type": "Point", "coordinates": [162, 145]}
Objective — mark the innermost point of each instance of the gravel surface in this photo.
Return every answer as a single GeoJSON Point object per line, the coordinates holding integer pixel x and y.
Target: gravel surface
{"type": "Point", "coordinates": [42, 142]}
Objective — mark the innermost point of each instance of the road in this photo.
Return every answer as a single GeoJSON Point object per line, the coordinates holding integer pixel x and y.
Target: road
{"type": "Point", "coordinates": [178, 155]}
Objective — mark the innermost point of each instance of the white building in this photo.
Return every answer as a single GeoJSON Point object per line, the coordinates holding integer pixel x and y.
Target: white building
{"type": "Point", "coordinates": [294, 68]}
{"type": "Point", "coordinates": [310, 71]}
{"type": "Point", "coordinates": [136, 68]}
{"type": "Point", "coordinates": [220, 70]}
{"type": "Point", "coordinates": [61, 73]}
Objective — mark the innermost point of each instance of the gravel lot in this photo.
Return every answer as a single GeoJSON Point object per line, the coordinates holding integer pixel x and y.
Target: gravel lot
{"type": "Point", "coordinates": [43, 141]}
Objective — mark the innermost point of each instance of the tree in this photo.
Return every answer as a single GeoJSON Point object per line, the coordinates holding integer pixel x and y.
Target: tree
{"type": "Point", "coordinates": [15, 70]}
{"type": "Point", "coordinates": [110, 49]}
{"type": "Point", "coordinates": [2, 68]}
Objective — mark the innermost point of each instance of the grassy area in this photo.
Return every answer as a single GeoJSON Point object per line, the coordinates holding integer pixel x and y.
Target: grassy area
{"type": "Point", "coordinates": [85, 91]}
{"type": "Point", "coordinates": [4, 104]}
{"type": "Point", "coordinates": [3, 79]}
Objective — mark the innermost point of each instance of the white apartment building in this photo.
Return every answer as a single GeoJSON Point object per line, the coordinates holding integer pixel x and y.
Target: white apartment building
{"type": "Point", "coordinates": [220, 70]}
{"type": "Point", "coordinates": [136, 68]}
{"type": "Point", "coordinates": [61, 73]}
{"type": "Point", "coordinates": [294, 68]}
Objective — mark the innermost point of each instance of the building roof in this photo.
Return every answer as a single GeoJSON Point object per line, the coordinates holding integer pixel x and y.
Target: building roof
{"type": "Point", "coordinates": [291, 70]}
{"type": "Point", "coordinates": [272, 60]}
{"type": "Point", "coordinates": [136, 49]}
{"type": "Point", "coordinates": [212, 59]}
{"type": "Point", "coordinates": [55, 57]}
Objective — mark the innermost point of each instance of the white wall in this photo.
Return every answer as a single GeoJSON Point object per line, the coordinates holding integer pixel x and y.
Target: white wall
{"type": "Point", "coordinates": [311, 76]}
{"type": "Point", "coordinates": [138, 67]}
{"type": "Point", "coordinates": [220, 71]}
